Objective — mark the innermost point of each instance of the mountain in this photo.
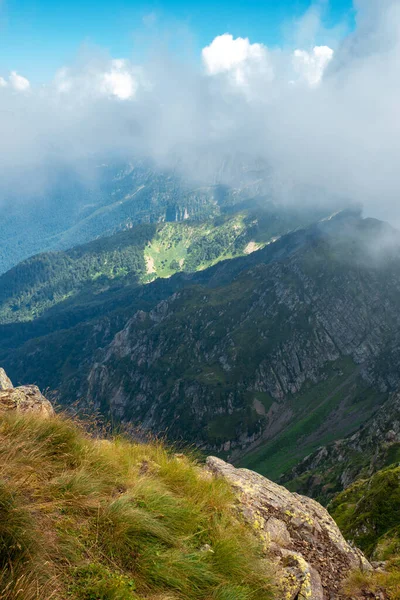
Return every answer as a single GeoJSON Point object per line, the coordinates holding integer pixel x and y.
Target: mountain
{"type": "Point", "coordinates": [278, 350]}
{"type": "Point", "coordinates": [73, 210]}
{"type": "Point", "coordinates": [137, 255]}
{"type": "Point", "coordinates": [101, 199]}
{"type": "Point", "coordinates": [261, 358]}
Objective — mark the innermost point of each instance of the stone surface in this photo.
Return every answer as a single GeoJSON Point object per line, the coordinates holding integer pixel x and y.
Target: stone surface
{"type": "Point", "coordinates": [5, 382]}
{"type": "Point", "coordinates": [298, 531]}
{"type": "Point", "coordinates": [26, 398]}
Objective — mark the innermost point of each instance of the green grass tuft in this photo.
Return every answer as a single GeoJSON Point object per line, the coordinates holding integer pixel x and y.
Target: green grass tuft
{"type": "Point", "coordinates": [91, 519]}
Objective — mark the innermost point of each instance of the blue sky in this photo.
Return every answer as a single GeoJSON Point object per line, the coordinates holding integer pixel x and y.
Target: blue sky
{"type": "Point", "coordinates": [39, 36]}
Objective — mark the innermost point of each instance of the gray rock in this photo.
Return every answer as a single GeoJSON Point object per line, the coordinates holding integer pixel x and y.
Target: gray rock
{"type": "Point", "coordinates": [26, 398]}
{"type": "Point", "coordinates": [5, 382]}
{"type": "Point", "coordinates": [298, 532]}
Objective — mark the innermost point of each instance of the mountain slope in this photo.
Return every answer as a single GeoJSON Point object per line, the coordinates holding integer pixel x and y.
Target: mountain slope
{"type": "Point", "coordinates": [261, 358]}
{"type": "Point", "coordinates": [368, 513]}
{"type": "Point", "coordinates": [74, 208]}
{"type": "Point", "coordinates": [332, 468]}
{"type": "Point", "coordinates": [283, 345]}
{"type": "Point", "coordinates": [140, 255]}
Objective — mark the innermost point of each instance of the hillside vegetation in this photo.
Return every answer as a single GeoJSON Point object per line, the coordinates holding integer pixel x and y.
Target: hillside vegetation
{"type": "Point", "coordinates": [138, 255]}
{"type": "Point", "coordinates": [275, 350]}
{"type": "Point", "coordinates": [368, 513]}
{"type": "Point", "coordinates": [111, 520]}
{"type": "Point", "coordinates": [374, 446]}
{"type": "Point", "coordinates": [74, 210]}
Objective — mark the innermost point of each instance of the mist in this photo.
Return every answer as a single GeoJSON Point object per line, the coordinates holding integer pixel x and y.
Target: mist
{"type": "Point", "coordinates": [322, 118]}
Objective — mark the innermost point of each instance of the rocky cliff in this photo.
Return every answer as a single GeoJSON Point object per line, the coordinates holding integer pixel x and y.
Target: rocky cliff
{"type": "Point", "coordinates": [260, 359]}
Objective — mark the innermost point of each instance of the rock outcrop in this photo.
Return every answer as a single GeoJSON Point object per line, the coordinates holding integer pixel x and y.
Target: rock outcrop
{"type": "Point", "coordinates": [298, 531]}
{"type": "Point", "coordinates": [26, 398]}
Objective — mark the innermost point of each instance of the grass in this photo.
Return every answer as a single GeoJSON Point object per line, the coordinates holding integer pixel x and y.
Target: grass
{"type": "Point", "coordinates": [193, 246]}
{"type": "Point", "coordinates": [91, 519]}
{"type": "Point", "coordinates": [375, 582]}
{"type": "Point", "coordinates": [368, 513]}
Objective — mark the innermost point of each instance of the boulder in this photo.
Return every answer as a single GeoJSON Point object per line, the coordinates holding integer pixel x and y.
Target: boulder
{"type": "Point", "coordinates": [297, 531]}
{"type": "Point", "coordinates": [26, 398]}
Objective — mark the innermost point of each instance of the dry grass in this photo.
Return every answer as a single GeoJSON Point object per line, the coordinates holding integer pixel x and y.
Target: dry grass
{"type": "Point", "coordinates": [110, 520]}
{"type": "Point", "coordinates": [375, 582]}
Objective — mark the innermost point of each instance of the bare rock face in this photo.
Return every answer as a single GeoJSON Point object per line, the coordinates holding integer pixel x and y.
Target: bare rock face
{"type": "Point", "coordinates": [298, 531]}
{"type": "Point", "coordinates": [26, 398]}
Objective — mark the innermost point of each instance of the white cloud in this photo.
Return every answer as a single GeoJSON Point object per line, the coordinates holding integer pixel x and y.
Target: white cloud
{"type": "Point", "coordinates": [115, 78]}
{"type": "Point", "coordinates": [236, 57]}
{"type": "Point", "coordinates": [119, 81]}
{"type": "Point", "coordinates": [18, 82]}
{"type": "Point", "coordinates": [250, 66]}
{"type": "Point", "coordinates": [310, 66]}
{"type": "Point", "coordinates": [338, 134]}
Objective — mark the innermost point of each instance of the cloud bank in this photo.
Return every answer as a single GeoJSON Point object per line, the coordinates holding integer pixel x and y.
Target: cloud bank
{"type": "Point", "coordinates": [323, 119]}
{"type": "Point", "coordinates": [16, 82]}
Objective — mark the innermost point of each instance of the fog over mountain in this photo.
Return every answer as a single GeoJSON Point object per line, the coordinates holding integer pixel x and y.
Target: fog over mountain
{"type": "Point", "coordinates": [323, 117]}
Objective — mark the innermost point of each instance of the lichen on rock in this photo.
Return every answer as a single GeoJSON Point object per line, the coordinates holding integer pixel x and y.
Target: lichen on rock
{"type": "Point", "coordinates": [295, 531]}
